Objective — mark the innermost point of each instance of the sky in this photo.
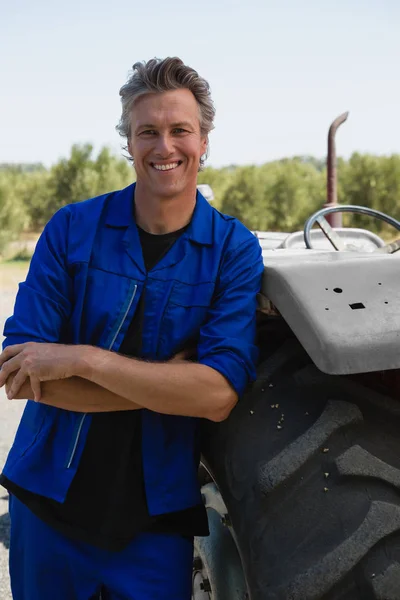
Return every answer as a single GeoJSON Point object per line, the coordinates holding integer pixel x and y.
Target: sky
{"type": "Point", "coordinates": [279, 71]}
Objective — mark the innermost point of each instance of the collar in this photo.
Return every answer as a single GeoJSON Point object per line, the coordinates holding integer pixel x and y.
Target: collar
{"type": "Point", "coordinates": [119, 209]}
{"type": "Point", "coordinates": [119, 214]}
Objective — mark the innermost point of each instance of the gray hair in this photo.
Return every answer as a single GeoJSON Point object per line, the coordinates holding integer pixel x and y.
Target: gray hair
{"type": "Point", "coordinates": [164, 75]}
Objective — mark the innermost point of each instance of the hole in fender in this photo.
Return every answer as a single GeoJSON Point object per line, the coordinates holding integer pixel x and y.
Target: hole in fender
{"type": "Point", "coordinates": [337, 290]}
{"type": "Point", "coordinates": [356, 305]}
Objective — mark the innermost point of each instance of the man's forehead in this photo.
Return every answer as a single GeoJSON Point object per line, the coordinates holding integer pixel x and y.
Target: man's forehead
{"type": "Point", "coordinates": [177, 106]}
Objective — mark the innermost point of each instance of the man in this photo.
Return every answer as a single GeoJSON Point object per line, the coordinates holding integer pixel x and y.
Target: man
{"type": "Point", "coordinates": [102, 475]}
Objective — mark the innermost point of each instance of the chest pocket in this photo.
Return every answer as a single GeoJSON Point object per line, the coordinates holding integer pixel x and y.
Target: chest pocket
{"type": "Point", "coordinates": [185, 312]}
{"type": "Point", "coordinates": [191, 296]}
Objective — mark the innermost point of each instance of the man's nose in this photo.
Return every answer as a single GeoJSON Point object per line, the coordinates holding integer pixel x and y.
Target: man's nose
{"type": "Point", "coordinates": [165, 145]}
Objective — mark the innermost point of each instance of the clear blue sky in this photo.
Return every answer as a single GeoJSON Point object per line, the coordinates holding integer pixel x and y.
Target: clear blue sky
{"type": "Point", "coordinates": [280, 72]}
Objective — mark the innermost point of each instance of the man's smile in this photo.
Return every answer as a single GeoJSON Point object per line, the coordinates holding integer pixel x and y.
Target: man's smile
{"type": "Point", "coordinates": [167, 167]}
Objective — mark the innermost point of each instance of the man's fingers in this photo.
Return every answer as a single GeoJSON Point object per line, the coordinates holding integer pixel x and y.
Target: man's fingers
{"type": "Point", "coordinates": [36, 388]}
{"type": "Point", "coordinates": [185, 354]}
{"type": "Point", "coordinates": [9, 384]}
{"type": "Point", "coordinates": [9, 352]}
{"type": "Point", "coordinates": [190, 353]}
{"type": "Point", "coordinates": [7, 368]}
{"type": "Point", "coordinates": [178, 357]}
{"type": "Point", "coordinates": [16, 385]}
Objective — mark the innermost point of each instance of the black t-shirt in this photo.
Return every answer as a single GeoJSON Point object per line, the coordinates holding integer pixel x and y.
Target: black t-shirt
{"type": "Point", "coordinates": [106, 502]}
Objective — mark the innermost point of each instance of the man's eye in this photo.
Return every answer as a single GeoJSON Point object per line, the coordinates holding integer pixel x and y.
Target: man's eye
{"type": "Point", "coordinates": [179, 130]}
{"type": "Point", "coordinates": [148, 132]}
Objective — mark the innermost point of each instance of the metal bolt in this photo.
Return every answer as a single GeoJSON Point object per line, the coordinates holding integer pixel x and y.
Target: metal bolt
{"type": "Point", "coordinates": [197, 563]}
{"type": "Point", "coordinates": [205, 585]}
{"type": "Point", "coordinates": [225, 520]}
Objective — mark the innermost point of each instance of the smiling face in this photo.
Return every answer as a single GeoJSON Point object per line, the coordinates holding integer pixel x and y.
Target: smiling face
{"type": "Point", "coordinates": [166, 143]}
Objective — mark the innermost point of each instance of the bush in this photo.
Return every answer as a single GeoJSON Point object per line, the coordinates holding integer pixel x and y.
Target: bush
{"type": "Point", "coordinates": [13, 216]}
{"type": "Point", "coordinates": [277, 196]}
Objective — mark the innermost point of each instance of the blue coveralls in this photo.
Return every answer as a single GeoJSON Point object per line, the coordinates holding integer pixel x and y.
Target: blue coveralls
{"type": "Point", "coordinates": [83, 287]}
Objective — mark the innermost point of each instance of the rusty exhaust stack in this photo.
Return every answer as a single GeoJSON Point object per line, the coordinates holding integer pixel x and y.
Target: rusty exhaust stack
{"type": "Point", "coordinates": [335, 220]}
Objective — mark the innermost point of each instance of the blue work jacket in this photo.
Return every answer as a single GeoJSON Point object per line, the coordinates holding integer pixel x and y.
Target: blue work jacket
{"type": "Point", "coordinates": [83, 286]}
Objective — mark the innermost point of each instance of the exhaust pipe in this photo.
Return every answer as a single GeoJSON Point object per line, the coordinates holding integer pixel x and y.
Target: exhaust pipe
{"type": "Point", "coordinates": [335, 219]}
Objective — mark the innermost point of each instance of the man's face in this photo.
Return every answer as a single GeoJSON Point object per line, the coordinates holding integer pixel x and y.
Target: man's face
{"type": "Point", "coordinates": [166, 143]}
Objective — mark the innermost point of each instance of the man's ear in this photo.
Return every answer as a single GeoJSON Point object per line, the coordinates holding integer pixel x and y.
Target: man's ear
{"type": "Point", "coordinates": [204, 144]}
{"type": "Point", "coordinates": [129, 146]}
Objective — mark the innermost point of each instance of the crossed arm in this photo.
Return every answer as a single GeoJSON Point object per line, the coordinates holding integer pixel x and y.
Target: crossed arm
{"type": "Point", "coordinates": [75, 394]}
{"type": "Point", "coordinates": [90, 379]}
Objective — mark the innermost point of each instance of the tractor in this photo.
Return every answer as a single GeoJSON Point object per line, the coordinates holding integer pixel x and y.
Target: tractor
{"type": "Point", "coordinates": [302, 481]}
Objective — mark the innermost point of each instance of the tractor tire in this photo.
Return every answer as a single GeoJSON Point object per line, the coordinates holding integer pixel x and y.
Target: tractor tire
{"type": "Point", "coordinates": [308, 466]}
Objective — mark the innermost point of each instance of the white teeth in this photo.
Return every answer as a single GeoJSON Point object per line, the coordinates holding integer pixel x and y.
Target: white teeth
{"type": "Point", "coordinates": [166, 167]}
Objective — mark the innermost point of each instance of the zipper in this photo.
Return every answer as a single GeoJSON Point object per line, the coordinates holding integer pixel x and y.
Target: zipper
{"type": "Point", "coordinates": [123, 318]}
{"type": "Point", "coordinates": [71, 458]}
{"type": "Point", "coordinates": [78, 433]}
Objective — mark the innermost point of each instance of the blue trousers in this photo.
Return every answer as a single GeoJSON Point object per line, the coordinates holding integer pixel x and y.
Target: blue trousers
{"type": "Point", "coordinates": [45, 565]}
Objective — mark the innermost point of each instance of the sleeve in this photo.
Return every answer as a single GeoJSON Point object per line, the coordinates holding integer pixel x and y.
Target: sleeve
{"type": "Point", "coordinates": [227, 338]}
{"type": "Point", "coordinates": [43, 303]}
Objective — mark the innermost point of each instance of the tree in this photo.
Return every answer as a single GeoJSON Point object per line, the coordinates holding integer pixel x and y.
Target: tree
{"type": "Point", "coordinates": [277, 196]}
{"type": "Point", "coordinates": [74, 179]}
{"type": "Point", "coordinates": [219, 180]}
{"type": "Point", "coordinates": [13, 217]}
{"type": "Point", "coordinates": [372, 181]}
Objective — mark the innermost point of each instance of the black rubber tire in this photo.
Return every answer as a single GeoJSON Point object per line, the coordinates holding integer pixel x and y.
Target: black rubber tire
{"type": "Point", "coordinates": [308, 466]}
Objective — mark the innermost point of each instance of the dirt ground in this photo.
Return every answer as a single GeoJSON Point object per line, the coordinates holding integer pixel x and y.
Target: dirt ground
{"type": "Point", "coordinates": [10, 275]}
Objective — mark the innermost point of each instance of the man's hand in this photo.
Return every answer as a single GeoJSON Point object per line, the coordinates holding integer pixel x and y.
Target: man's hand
{"type": "Point", "coordinates": [37, 362]}
{"type": "Point", "coordinates": [189, 354]}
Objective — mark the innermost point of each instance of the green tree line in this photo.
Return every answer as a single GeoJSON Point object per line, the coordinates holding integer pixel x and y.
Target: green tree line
{"type": "Point", "coordinates": [275, 196]}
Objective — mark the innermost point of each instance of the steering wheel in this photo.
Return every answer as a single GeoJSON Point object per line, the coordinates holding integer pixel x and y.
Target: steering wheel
{"type": "Point", "coordinates": [334, 238]}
